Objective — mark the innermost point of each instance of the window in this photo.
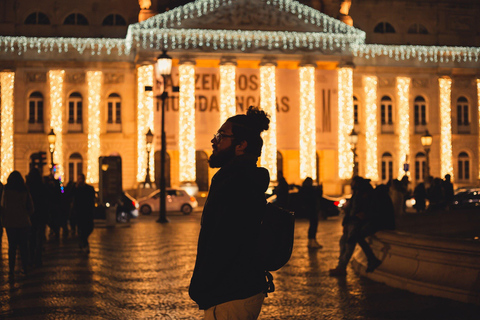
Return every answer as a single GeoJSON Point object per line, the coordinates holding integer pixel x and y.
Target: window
{"type": "Point", "coordinates": [75, 167]}
{"type": "Point", "coordinates": [420, 166]}
{"type": "Point", "coordinates": [75, 115]}
{"type": "Point", "coordinates": [35, 112]}
{"type": "Point", "coordinates": [114, 20]}
{"type": "Point", "coordinates": [463, 118]}
{"type": "Point", "coordinates": [76, 19]}
{"type": "Point", "coordinates": [420, 109]}
{"type": "Point", "coordinates": [114, 113]}
{"type": "Point", "coordinates": [355, 110]}
{"type": "Point", "coordinates": [384, 27]}
{"type": "Point", "coordinates": [387, 167]}
{"type": "Point", "coordinates": [37, 18]}
{"type": "Point", "coordinates": [417, 28]}
{"type": "Point", "coordinates": [463, 166]}
{"type": "Point", "coordinates": [386, 110]}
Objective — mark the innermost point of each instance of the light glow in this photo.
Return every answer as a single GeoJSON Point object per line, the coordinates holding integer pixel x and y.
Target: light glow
{"type": "Point", "coordinates": [403, 89]}
{"type": "Point", "coordinates": [227, 92]}
{"type": "Point", "coordinates": [308, 142]}
{"type": "Point", "coordinates": [268, 104]}
{"type": "Point", "coordinates": [371, 163]}
{"type": "Point", "coordinates": [187, 122]}
{"type": "Point", "coordinates": [446, 165]}
{"type": "Point", "coordinates": [94, 82]}
{"type": "Point", "coordinates": [145, 117]}
{"type": "Point", "coordinates": [7, 85]}
{"type": "Point", "coordinates": [345, 122]}
{"type": "Point", "coordinates": [56, 82]}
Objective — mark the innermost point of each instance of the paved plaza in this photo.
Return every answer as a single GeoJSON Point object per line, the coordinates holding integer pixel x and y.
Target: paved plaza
{"type": "Point", "coordinates": [142, 270]}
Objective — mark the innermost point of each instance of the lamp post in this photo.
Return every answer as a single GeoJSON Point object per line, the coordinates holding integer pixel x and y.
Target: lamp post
{"type": "Point", "coordinates": [149, 139]}
{"type": "Point", "coordinates": [51, 145]}
{"type": "Point", "coordinates": [163, 69]}
{"type": "Point", "coordinates": [426, 140]}
{"type": "Point", "coordinates": [353, 139]}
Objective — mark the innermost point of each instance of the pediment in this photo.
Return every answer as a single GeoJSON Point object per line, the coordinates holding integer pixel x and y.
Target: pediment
{"type": "Point", "coordinates": [250, 15]}
{"type": "Point", "coordinates": [246, 15]}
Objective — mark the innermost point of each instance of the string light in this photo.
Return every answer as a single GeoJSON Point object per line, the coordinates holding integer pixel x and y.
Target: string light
{"type": "Point", "coordinates": [187, 122]}
{"type": "Point", "coordinates": [478, 105]}
{"type": "Point", "coordinates": [371, 165]}
{"type": "Point", "coordinates": [56, 82]}
{"type": "Point", "coordinates": [403, 88]}
{"type": "Point", "coordinates": [7, 83]}
{"type": "Point", "coordinates": [308, 144]}
{"type": "Point", "coordinates": [446, 166]}
{"type": "Point", "coordinates": [268, 104]}
{"type": "Point", "coordinates": [227, 92]}
{"type": "Point", "coordinates": [94, 82]}
{"type": "Point", "coordinates": [345, 122]}
{"type": "Point", "coordinates": [144, 120]}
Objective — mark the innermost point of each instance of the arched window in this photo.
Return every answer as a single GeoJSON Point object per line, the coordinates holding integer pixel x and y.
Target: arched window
{"type": "Point", "coordinates": [463, 166]}
{"type": "Point", "coordinates": [417, 28]}
{"type": "Point", "coordinates": [37, 18]}
{"type": "Point", "coordinates": [76, 19]}
{"type": "Point", "coordinates": [114, 113]}
{"type": "Point", "coordinates": [35, 112]}
{"type": "Point", "coordinates": [355, 110]}
{"type": "Point", "coordinates": [420, 166]}
{"type": "Point", "coordinates": [420, 110]}
{"type": "Point", "coordinates": [75, 167]}
{"type": "Point", "coordinates": [384, 27]}
{"type": "Point", "coordinates": [463, 114]}
{"type": "Point", "coordinates": [114, 20]}
{"type": "Point", "coordinates": [387, 167]}
{"type": "Point", "coordinates": [75, 112]}
{"type": "Point", "coordinates": [386, 110]}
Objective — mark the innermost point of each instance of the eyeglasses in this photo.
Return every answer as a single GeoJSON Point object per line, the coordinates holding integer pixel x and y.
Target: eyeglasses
{"type": "Point", "coordinates": [219, 136]}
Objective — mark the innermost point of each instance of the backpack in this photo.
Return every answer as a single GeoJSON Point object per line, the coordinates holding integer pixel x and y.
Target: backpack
{"type": "Point", "coordinates": [277, 236]}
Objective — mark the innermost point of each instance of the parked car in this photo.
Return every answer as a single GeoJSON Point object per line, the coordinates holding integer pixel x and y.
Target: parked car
{"type": "Point", "coordinates": [127, 208]}
{"type": "Point", "coordinates": [329, 205]}
{"type": "Point", "coordinates": [468, 198]}
{"type": "Point", "coordinates": [176, 200]}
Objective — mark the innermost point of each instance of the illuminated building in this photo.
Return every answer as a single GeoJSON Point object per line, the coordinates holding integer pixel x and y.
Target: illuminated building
{"type": "Point", "coordinates": [320, 70]}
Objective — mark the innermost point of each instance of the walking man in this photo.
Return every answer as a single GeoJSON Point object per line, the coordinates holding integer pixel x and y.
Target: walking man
{"type": "Point", "coordinates": [83, 206]}
{"type": "Point", "coordinates": [228, 281]}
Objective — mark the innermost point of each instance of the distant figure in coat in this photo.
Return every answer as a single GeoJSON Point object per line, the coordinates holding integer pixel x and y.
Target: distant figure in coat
{"type": "Point", "coordinates": [420, 195]}
{"type": "Point", "coordinates": [448, 191]}
{"type": "Point", "coordinates": [17, 207]}
{"type": "Point", "coordinates": [282, 191]}
{"type": "Point", "coordinates": [83, 206]}
{"type": "Point", "coordinates": [308, 197]}
{"type": "Point", "coordinates": [39, 217]}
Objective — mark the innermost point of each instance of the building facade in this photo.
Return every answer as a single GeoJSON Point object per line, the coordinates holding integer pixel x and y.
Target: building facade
{"type": "Point", "coordinates": [390, 70]}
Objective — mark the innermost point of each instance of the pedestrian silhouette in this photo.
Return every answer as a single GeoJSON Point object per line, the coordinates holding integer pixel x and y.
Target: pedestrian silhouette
{"type": "Point", "coordinates": [281, 190]}
{"type": "Point", "coordinates": [447, 187]}
{"type": "Point", "coordinates": [83, 206]}
{"type": "Point", "coordinates": [309, 201]}
{"type": "Point", "coordinates": [356, 226]}
{"type": "Point", "coordinates": [17, 207]}
{"type": "Point", "coordinates": [420, 196]}
{"type": "Point", "coordinates": [39, 217]}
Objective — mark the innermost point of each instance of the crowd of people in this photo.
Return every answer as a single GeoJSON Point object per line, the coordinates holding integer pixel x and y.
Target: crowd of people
{"type": "Point", "coordinates": [31, 207]}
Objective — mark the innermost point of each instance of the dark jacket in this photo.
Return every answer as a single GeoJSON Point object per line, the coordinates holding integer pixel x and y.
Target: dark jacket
{"type": "Point", "coordinates": [228, 263]}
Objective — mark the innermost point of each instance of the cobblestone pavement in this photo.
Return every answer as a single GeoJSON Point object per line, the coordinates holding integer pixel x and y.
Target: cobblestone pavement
{"type": "Point", "coordinates": [142, 271]}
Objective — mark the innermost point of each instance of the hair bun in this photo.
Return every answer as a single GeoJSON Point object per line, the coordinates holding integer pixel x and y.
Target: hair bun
{"type": "Point", "coordinates": [260, 120]}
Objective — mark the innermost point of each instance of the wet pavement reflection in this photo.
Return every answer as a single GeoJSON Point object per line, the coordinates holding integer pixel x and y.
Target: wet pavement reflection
{"type": "Point", "coordinates": [142, 271]}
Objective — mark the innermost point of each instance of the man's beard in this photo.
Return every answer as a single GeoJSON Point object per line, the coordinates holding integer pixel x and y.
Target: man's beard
{"type": "Point", "coordinates": [219, 159]}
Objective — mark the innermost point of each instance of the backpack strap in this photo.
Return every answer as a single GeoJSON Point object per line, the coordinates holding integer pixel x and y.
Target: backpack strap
{"type": "Point", "coordinates": [270, 287]}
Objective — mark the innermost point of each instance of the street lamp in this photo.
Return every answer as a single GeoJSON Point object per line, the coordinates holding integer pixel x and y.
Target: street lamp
{"type": "Point", "coordinates": [51, 145]}
{"type": "Point", "coordinates": [426, 140]}
{"type": "Point", "coordinates": [163, 70]}
{"type": "Point", "coordinates": [149, 139]}
{"type": "Point", "coordinates": [353, 139]}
